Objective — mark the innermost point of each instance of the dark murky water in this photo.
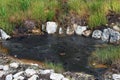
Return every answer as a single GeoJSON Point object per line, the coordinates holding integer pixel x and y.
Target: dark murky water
{"type": "Point", "coordinates": [71, 51]}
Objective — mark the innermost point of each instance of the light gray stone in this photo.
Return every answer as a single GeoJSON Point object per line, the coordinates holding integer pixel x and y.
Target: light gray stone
{"type": "Point", "coordinates": [1, 67]}
{"type": "Point", "coordinates": [5, 67]}
{"type": "Point", "coordinates": [105, 35]}
{"type": "Point", "coordinates": [34, 77]}
{"type": "Point", "coordinates": [30, 72]}
{"type": "Point", "coordinates": [1, 73]}
{"type": "Point", "coordinates": [114, 37]}
{"type": "Point", "coordinates": [60, 30]}
{"type": "Point", "coordinates": [47, 71]}
{"type": "Point", "coordinates": [9, 77]}
{"type": "Point", "coordinates": [97, 34]}
{"type": "Point", "coordinates": [115, 27]}
{"type": "Point", "coordinates": [19, 78]}
{"type": "Point", "coordinates": [51, 27]}
{"type": "Point", "coordinates": [4, 35]}
{"type": "Point", "coordinates": [56, 76]}
{"type": "Point", "coordinates": [80, 29]}
{"type": "Point", "coordinates": [14, 65]}
{"type": "Point", "coordinates": [18, 74]}
{"type": "Point", "coordinates": [116, 76]}
{"type": "Point", "coordinates": [65, 79]}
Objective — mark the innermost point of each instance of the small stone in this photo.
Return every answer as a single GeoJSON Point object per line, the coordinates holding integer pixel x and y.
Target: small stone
{"type": "Point", "coordinates": [87, 33]}
{"type": "Point", "coordinates": [1, 73]}
{"type": "Point", "coordinates": [18, 74]}
{"type": "Point", "coordinates": [34, 77]}
{"type": "Point", "coordinates": [14, 65]}
{"type": "Point", "coordinates": [116, 76]}
{"type": "Point", "coordinates": [6, 67]}
{"type": "Point", "coordinates": [4, 35]}
{"type": "Point", "coordinates": [46, 71]}
{"type": "Point", "coordinates": [116, 28]}
{"type": "Point", "coordinates": [9, 77]}
{"type": "Point", "coordinates": [69, 31]}
{"type": "Point", "coordinates": [80, 29]}
{"type": "Point", "coordinates": [56, 76]}
{"type": "Point", "coordinates": [60, 30]}
{"type": "Point", "coordinates": [96, 34]}
{"type": "Point", "coordinates": [30, 72]}
{"type": "Point", "coordinates": [51, 27]}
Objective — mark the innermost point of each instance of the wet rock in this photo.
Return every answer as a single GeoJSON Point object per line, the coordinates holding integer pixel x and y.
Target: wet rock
{"type": "Point", "coordinates": [1, 73]}
{"type": "Point", "coordinates": [18, 74]}
{"type": "Point", "coordinates": [80, 29]}
{"type": "Point", "coordinates": [114, 37]}
{"type": "Point", "coordinates": [51, 27]}
{"type": "Point", "coordinates": [105, 35]}
{"type": "Point", "coordinates": [69, 31]}
{"type": "Point", "coordinates": [6, 67]}
{"type": "Point", "coordinates": [34, 77]}
{"type": "Point", "coordinates": [97, 34]}
{"type": "Point", "coordinates": [56, 76]}
{"type": "Point", "coordinates": [60, 30]}
{"type": "Point", "coordinates": [9, 77]}
{"type": "Point", "coordinates": [30, 72]}
{"type": "Point", "coordinates": [115, 27]}
{"type": "Point", "coordinates": [87, 33]}
{"type": "Point", "coordinates": [4, 35]}
{"type": "Point", "coordinates": [46, 71]}
{"type": "Point", "coordinates": [116, 76]}
{"type": "Point", "coordinates": [14, 65]}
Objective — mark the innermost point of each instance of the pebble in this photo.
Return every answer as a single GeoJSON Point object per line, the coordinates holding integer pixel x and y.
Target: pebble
{"type": "Point", "coordinates": [47, 71]}
{"type": "Point", "coordinates": [30, 72]}
{"type": "Point", "coordinates": [14, 65]}
{"type": "Point", "coordinates": [18, 74]}
{"type": "Point", "coordinates": [1, 73]}
{"type": "Point", "coordinates": [34, 77]}
{"type": "Point", "coordinates": [9, 77]}
{"type": "Point", "coordinates": [6, 67]}
{"type": "Point", "coordinates": [56, 76]}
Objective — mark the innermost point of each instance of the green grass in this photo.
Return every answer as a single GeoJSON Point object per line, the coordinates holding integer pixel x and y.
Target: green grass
{"type": "Point", "coordinates": [57, 67]}
{"type": "Point", "coordinates": [108, 54]}
{"type": "Point", "coordinates": [14, 11]}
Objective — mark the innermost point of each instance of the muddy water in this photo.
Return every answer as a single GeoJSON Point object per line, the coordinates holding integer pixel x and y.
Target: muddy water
{"type": "Point", "coordinates": [71, 51]}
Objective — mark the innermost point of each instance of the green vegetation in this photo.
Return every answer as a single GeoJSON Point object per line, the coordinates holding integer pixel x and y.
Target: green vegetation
{"type": "Point", "coordinates": [57, 67]}
{"type": "Point", "coordinates": [108, 54]}
{"type": "Point", "coordinates": [13, 12]}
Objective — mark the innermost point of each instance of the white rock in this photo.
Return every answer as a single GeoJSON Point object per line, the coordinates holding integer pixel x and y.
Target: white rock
{"type": "Point", "coordinates": [30, 72]}
{"type": "Point", "coordinates": [4, 35]}
{"type": "Point", "coordinates": [5, 67]}
{"type": "Point", "coordinates": [65, 79]}
{"type": "Point", "coordinates": [80, 29]}
{"type": "Point", "coordinates": [116, 28]}
{"type": "Point", "coordinates": [116, 76]}
{"type": "Point", "coordinates": [34, 77]}
{"type": "Point", "coordinates": [105, 35]}
{"type": "Point", "coordinates": [34, 64]}
{"type": "Point", "coordinates": [55, 76]}
{"type": "Point", "coordinates": [51, 27]}
{"type": "Point", "coordinates": [69, 31]}
{"type": "Point", "coordinates": [19, 78]}
{"type": "Point", "coordinates": [14, 65]}
{"type": "Point", "coordinates": [1, 73]}
{"type": "Point", "coordinates": [9, 77]}
{"type": "Point", "coordinates": [1, 67]}
{"type": "Point", "coordinates": [18, 74]}
{"type": "Point", "coordinates": [46, 71]}
{"type": "Point", "coordinates": [60, 30]}
{"type": "Point", "coordinates": [97, 34]}
{"type": "Point", "coordinates": [87, 33]}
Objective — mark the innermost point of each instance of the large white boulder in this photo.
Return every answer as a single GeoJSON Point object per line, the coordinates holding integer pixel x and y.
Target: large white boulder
{"type": "Point", "coordinates": [4, 35]}
{"type": "Point", "coordinates": [56, 76]}
{"type": "Point", "coordinates": [116, 76]}
{"type": "Point", "coordinates": [9, 77]}
{"type": "Point", "coordinates": [34, 77]}
{"type": "Point", "coordinates": [97, 34]}
{"type": "Point", "coordinates": [30, 72]}
{"type": "Point", "coordinates": [51, 27]}
{"type": "Point", "coordinates": [80, 29]}
{"type": "Point", "coordinates": [14, 65]}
